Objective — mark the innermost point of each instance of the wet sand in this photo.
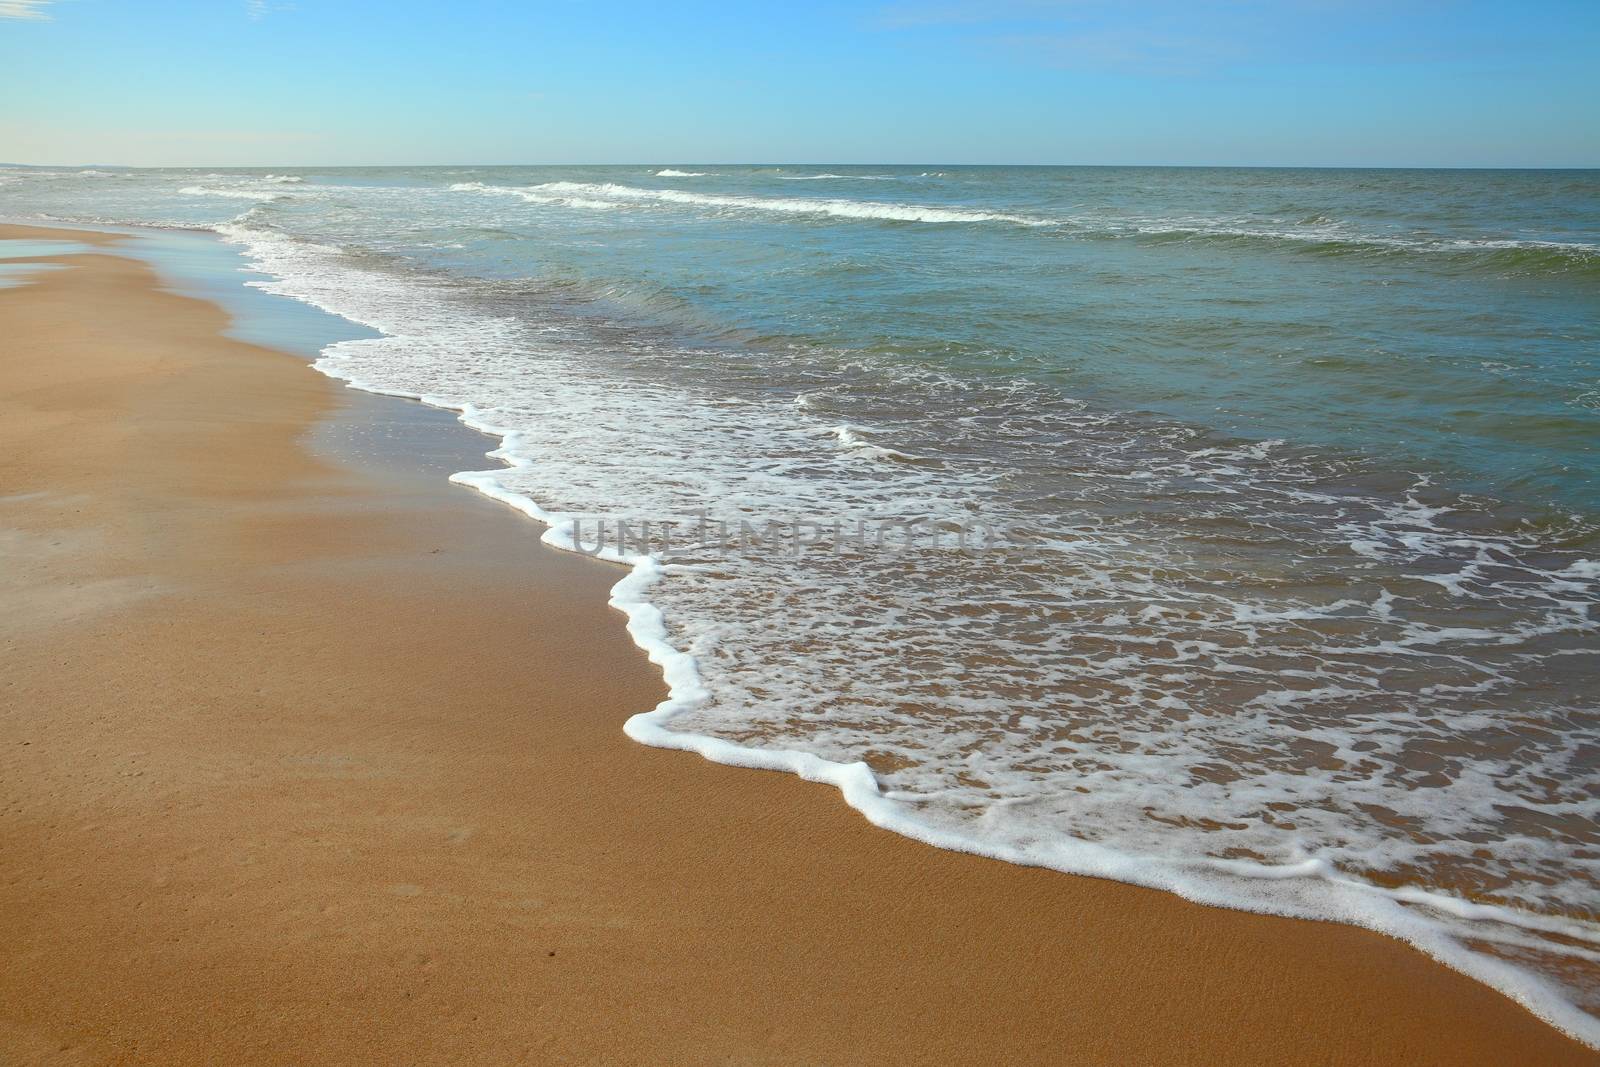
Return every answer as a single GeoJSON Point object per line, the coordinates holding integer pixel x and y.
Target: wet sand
{"type": "Point", "coordinates": [307, 757]}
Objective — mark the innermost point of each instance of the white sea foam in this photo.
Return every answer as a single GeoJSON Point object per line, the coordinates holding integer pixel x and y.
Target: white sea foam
{"type": "Point", "coordinates": [668, 172]}
{"type": "Point", "coordinates": [607, 196]}
{"type": "Point", "coordinates": [532, 197]}
{"type": "Point", "coordinates": [258, 195]}
{"type": "Point", "coordinates": [1118, 699]}
{"type": "Point", "coordinates": [610, 195]}
{"type": "Point", "coordinates": [853, 439]}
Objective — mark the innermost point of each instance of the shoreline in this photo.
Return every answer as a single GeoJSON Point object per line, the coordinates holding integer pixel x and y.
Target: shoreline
{"type": "Point", "coordinates": [1115, 972]}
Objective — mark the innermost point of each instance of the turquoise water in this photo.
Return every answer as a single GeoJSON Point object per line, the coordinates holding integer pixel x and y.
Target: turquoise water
{"type": "Point", "coordinates": [13, 274]}
{"type": "Point", "coordinates": [1292, 605]}
{"type": "Point", "coordinates": [30, 249]}
{"type": "Point", "coordinates": [1452, 318]}
{"type": "Point", "coordinates": [1449, 319]}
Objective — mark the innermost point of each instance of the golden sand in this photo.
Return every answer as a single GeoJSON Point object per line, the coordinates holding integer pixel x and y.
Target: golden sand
{"type": "Point", "coordinates": [292, 772]}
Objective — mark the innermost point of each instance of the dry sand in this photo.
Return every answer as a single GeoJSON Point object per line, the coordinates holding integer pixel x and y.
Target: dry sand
{"type": "Point", "coordinates": [306, 762]}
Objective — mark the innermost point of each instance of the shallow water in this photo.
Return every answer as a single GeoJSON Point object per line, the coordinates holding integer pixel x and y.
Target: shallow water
{"type": "Point", "coordinates": [13, 274]}
{"type": "Point", "coordinates": [1231, 531]}
{"type": "Point", "coordinates": [19, 249]}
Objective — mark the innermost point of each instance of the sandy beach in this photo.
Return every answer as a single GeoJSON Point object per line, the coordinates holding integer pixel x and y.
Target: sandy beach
{"type": "Point", "coordinates": [291, 773]}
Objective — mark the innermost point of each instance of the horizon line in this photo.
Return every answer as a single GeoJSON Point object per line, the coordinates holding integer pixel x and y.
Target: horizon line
{"type": "Point", "coordinates": [823, 163]}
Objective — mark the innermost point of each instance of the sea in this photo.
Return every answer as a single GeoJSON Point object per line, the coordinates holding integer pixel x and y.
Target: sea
{"type": "Point", "coordinates": [1234, 532]}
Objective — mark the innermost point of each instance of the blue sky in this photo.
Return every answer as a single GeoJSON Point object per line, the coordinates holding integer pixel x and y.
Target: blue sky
{"type": "Point", "coordinates": [1404, 82]}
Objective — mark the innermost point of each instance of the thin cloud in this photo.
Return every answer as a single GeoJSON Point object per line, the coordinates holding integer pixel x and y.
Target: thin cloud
{"type": "Point", "coordinates": [260, 9]}
{"type": "Point", "coordinates": [24, 9]}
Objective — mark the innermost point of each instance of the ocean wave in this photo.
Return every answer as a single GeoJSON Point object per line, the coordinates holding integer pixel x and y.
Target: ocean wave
{"type": "Point", "coordinates": [86, 219]}
{"type": "Point", "coordinates": [1123, 699]}
{"type": "Point", "coordinates": [839, 177]}
{"type": "Point", "coordinates": [668, 172]}
{"type": "Point", "coordinates": [257, 195]}
{"type": "Point", "coordinates": [1322, 236]}
{"type": "Point", "coordinates": [531, 197]}
{"type": "Point", "coordinates": [283, 179]}
{"type": "Point", "coordinates": [1318, 234]}
{"type": "Point", "coordinates": [854, 439]}
{"type": "Point", "coordinates": [610, 195]}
